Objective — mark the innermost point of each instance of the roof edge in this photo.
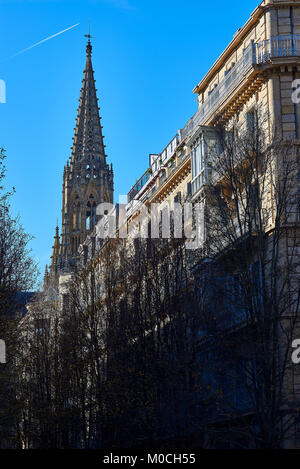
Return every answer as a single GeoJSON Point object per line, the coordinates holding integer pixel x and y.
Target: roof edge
{"type": "Point", "coordinates": [257, 13]}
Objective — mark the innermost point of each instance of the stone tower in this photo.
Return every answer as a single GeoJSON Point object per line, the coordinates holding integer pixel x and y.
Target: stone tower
{"type": "Point", "coordinates": [87, 178]}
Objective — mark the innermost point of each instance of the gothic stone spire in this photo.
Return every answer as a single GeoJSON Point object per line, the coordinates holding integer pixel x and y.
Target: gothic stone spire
{"type": "Point", "coordinates": [46, 278]}
{"type": "Point", "coordinates": [88, 139]}
{"type": "Point", "coordinates": [88, 180]}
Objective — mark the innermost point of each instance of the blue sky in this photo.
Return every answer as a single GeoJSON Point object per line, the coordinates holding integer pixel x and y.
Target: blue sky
{"type": "Point", "coordinates": [147, 55]}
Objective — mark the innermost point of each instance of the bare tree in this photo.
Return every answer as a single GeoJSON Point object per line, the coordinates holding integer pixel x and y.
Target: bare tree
{"type": "Point", "coordinates": [248, 288]}
{"type": "Point", "coordinates": [128, 324]}
{"type": "Point", "coordinates": [18, 273]}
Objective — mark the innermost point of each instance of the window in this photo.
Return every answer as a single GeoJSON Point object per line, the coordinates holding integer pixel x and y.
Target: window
{"type": "Point", "coordinates": [204, 150]}
{"type": "Point", "coordinates": [177, 198]}
{"type": "Point", "coordinates": [197, 157]}
{"type": "Point", "coordinates": [88, 217]}
{"type": "Point", "coordinates": [250, 120]}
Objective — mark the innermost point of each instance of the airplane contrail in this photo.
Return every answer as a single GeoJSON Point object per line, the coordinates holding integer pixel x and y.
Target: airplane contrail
{"type": "Point", "coordinates": [44, 40]}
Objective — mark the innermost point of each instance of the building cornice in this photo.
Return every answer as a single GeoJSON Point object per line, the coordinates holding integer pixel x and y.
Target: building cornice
{"type": "Point", "coordinates": [258, 12]}
{"type": "Point", "coordinates": [239, 36]}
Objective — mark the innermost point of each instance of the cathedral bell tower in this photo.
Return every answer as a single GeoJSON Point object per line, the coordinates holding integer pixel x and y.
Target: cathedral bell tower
{"type": "Point", "coordinates": [87, 178]}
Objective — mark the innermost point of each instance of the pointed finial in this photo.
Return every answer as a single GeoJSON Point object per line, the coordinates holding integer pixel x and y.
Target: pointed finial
{"type": "Point", "coordinates": [89, 45]}
{"type": "Point", "coordinates": [89, 34]}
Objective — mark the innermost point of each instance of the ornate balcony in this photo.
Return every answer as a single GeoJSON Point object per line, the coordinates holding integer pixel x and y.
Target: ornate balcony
{"type": "Point", "coordinates": [287, 45]}
{"type": "Point", "coordinates": [221, 91]}
{"type": "Point", "coordinates": [157, 165]}
{"type": "Point", "coordinates": [270, 50]}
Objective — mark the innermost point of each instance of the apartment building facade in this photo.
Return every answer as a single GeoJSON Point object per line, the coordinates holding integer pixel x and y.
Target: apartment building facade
{"type": "Point", "coordinates": [258, 68]}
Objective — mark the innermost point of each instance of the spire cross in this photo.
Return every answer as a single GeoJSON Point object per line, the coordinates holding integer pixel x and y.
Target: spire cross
{"type": "Point", "coordinates": [89, 34]}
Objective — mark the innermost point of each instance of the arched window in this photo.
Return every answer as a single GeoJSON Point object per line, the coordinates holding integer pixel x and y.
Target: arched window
{"type": "Point", "coordinates": [88, 217]}
{"type": "Point", "coordinates": [91, 212]}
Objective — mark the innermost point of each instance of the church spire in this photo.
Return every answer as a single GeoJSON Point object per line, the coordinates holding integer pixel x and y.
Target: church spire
{"type": "Point", "coordinates": [88, 180]}
{"type": "Point", "coordinates": [88, 138]}
{"type": "Point", "coordinates": [46, 278]}
{"type": "Point", "coordinates": [55, 250]}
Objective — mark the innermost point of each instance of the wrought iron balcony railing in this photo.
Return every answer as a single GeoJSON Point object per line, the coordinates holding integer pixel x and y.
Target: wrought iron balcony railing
{"type": "Point", "coordinates": [287, 45]}
{"type": "Point", "coordinates": [159, 163]}
{"type": "Point", "coordinates": [220, 92]}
